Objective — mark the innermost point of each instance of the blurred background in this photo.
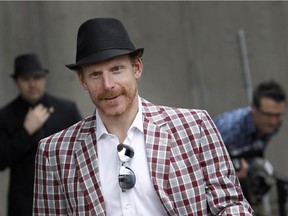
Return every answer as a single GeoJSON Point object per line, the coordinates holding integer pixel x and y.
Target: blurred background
{"type": "Point", "coordinates": [192, 55]}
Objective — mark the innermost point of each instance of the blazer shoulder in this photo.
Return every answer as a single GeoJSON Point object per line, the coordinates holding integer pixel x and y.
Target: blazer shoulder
{"type": "Point", "coordinates": [195, 116]}
{"type": "Point", "coordinates": [172, 112]}
{"type": "Point", "coordinates": [69, 136]}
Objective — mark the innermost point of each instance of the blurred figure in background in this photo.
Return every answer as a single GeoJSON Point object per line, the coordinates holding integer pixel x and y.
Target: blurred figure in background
{"type": "Point", "coordinates": [247, 131]}
{"type": "Point", "coordinates": [31, 116]}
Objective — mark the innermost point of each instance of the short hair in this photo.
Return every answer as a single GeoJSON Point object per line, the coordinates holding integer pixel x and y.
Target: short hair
{"type": "Point", "coordinates": [269, 89]}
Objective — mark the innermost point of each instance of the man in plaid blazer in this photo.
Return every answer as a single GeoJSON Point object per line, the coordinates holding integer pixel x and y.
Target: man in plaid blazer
{"type": "Point", "coordinates": [132, 157]}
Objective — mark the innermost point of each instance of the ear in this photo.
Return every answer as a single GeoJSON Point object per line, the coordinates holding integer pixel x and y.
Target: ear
{"type": "Point", "coordinates": [82, 80]}
{"type": "Point", "coordinates": [138, 68]}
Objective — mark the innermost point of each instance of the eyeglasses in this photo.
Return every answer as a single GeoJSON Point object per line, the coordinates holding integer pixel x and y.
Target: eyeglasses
{"type": "Point", "coordinates": [269, 114]}
{"type": "Point", "coordinates": [126, 178]}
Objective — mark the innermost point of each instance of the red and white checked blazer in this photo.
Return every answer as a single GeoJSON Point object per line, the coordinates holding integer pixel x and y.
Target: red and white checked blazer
{"type": "Point", "coordinates": [189, 166]}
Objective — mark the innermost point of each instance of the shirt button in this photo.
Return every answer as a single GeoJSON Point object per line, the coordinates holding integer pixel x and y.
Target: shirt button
{"type": "Point", "coordinates": [127, 205]}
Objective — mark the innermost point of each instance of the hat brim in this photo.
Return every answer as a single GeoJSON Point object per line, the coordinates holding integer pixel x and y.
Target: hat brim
{"type": "Point", "coordinates": [103, 55]}
{"type": "Point", "coordinates": [30, 73]}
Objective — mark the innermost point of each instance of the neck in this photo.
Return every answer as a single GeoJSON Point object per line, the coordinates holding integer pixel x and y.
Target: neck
{"type": "Point", "coordinates": [32, 101]}
{"type": "Point", "coordinates": [119, 125]}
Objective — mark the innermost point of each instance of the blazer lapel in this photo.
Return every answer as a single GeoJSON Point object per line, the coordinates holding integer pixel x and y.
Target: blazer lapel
{"type": "Point", "coordinates": [158, 149]}
{"type": "Point", "coordinates": [86, 161]}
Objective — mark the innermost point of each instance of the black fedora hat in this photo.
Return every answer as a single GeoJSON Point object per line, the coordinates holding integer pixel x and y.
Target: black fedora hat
{"type": "Point", "coordinates": [100, 39]}
{"type": "Point", "coordinates": [28, 65]}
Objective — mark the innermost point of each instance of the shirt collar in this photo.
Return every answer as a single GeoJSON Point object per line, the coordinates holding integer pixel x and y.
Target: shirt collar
{"type": "Point", "coordinates": [100, 127]}
{"type": "Point", "coordinates": [137, 123]}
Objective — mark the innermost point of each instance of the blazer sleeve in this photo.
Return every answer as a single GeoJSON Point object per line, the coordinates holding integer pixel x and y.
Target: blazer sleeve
{"type": "Point", "coordinates": [224, 194]}
{"type": "Point", "coordinates": [48, 196]}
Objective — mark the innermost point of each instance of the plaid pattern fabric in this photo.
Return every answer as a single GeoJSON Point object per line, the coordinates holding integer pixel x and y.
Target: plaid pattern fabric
{"type": "Point", "coordinates": [188, 163]}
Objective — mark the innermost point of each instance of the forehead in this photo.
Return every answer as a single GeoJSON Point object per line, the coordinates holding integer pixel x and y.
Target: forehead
{"type": "Point", "coordinates": [268, 104]}
{"type": "Point", "coordinates": [108, 63]}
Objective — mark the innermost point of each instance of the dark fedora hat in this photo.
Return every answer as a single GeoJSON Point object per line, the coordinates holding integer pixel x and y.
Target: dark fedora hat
{"type": "Point", "coordinates": [28, 65]}
{"type": "Point", "coordinates": [101, 39]}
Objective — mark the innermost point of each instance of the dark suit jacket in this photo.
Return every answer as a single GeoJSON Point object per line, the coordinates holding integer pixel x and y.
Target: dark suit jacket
{"type": "Point", "coordinates": [18, 149]}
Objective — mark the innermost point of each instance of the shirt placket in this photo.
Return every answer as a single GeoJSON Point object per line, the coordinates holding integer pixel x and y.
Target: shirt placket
{"type": "Point", "coordinates": [127, 204]}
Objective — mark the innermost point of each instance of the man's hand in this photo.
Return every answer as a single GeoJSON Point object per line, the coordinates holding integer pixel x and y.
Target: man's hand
{"type": "Point", "coordinates": [36, 117]}
{"type": "Point", "coordinates": [243, 172]}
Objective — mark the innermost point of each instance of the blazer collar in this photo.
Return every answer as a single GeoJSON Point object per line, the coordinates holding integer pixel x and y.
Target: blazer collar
{"type": "Point", "coordinates": [158, 150]}
{"type": "Point", "coordinates": [86, 161]}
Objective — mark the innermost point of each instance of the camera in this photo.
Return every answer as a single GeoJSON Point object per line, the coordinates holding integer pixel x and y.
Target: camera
{"type": "Point", "coordinates": [247, 152]}
{"type": "Point", "coordinates": [260, 175]}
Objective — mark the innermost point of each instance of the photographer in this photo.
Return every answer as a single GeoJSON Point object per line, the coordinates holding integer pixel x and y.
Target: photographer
{"type": "Point", "coordinates": [247, 131]}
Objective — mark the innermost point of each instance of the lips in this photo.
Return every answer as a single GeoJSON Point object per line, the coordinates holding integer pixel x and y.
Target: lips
{"type": "Point", "coordinates": [112, 98]}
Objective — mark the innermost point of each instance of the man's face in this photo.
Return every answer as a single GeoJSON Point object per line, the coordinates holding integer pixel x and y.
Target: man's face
{"type": "Point", "coordinates": [112, 84]}
{"type": "Point", "coordinates": [31, 88]}
{"type": "Point", "coordinates": [268, 116]}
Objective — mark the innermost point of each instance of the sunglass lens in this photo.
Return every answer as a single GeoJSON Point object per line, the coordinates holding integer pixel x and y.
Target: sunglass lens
{"type": "Point", "coordinates": [125, 152]}
{"type": "Point", "coordinates": [127, 178]}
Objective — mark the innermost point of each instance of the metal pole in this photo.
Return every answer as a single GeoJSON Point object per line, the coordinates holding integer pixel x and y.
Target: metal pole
{"type": "Point", "coordinates": [245, 63]}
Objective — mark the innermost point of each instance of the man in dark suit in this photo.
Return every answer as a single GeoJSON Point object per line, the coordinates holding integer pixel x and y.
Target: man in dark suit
{"type": "Point", "coordinates": [31, 116]}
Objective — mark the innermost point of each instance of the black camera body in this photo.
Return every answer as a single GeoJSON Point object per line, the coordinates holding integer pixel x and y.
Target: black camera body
{"type": "Point", "coordinates": [260, 175]}
{"type": "Point", "coordinates": [247, 152]}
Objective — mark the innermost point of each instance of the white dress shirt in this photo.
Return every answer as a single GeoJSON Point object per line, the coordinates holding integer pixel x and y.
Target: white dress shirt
{"type": "Point", "coordinates": [142, 199]}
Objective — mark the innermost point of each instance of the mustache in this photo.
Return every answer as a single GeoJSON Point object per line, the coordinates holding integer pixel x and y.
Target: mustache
{"type": "Point", "coordinates": [111, 93]}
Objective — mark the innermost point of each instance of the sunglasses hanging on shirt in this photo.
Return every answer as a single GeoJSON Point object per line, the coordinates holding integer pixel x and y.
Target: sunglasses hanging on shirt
{"type": "Point", "coordinates": [126, 178]}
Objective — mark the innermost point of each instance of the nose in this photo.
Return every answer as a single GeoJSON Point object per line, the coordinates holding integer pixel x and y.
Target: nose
{"type": "Point", "coordinates": [108, 81]}
{"type": "Point", "coordinates": [31, 81]}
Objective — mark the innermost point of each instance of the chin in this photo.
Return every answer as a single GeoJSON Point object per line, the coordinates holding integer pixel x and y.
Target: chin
{"type": "Point", "coordinates": [113, 113]}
